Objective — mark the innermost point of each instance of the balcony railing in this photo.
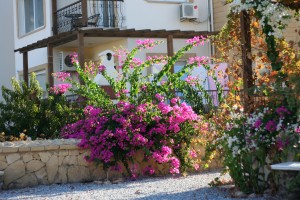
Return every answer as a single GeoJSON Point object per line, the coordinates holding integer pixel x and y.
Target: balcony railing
{"type": "Point", "coordinates": [89, 13]}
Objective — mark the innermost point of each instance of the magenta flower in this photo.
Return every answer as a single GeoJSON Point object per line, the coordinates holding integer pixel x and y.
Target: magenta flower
{"type": "Point", "coordinates": [192, 80]}
{"type": "Point", "coordinates": [271, 126]}
{"type": "Point", "coordinates": [198, 60]}
{"type": "Point", "coordinates": [101, 68]}
{"type": "Point", "coordinates": [282, 111]}
{"type": "Point", "coordinates": [60, 88]}
{"type": "Point", "coordinates": [196, 167]}
{"type": "Point", "coordinates": [193, 154]}
{"type": "Point", "coordinates": [197, 40]}
{"type": "Point", "coordinates": [61, 76]}
{"type": "Point", "coordinates": [174, 100]}
{"type": "Point", "coordinates": [159, 97]}
{"type": "Point", "coordinates": [147, 43]}
{"type": "Point", "coordinates": [258, 123]}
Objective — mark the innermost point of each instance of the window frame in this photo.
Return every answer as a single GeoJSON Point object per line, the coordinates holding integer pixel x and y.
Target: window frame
{"type": "Point", "coordinates": [34, 30]}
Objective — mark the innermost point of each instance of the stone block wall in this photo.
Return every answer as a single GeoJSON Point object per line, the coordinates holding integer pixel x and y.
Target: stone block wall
{"type": "Point", "coordinates": [45, 162]}
{"type": "Point", "coordinates": [30, 163]}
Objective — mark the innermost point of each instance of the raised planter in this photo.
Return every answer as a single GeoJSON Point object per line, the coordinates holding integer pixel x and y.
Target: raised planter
{"type": "Point", "coordinates": [32, 163]}
{"type": "Point", "coordinates": [45, 162]}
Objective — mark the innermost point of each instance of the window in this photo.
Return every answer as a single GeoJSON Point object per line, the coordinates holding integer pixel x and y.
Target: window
{"type": "Point", "coordinates": [31, 15]}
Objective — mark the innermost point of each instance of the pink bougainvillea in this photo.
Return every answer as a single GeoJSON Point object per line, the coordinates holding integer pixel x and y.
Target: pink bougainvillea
{"type": "Point", "coordinates": [116, 135]}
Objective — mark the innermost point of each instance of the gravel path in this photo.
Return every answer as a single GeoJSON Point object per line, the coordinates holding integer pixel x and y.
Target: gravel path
{"type": "Point", "coordinates": [191, 187]}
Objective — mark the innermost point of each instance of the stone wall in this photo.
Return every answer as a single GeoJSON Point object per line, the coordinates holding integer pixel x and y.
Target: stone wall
{"type": "Point", "coordinates": [30, 163]}
{"type": "Point", "coordinates": [48, 162]}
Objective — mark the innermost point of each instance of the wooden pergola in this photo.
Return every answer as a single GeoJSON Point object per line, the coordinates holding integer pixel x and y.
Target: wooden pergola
{"type": "Point", "coordinates": [81, 33]}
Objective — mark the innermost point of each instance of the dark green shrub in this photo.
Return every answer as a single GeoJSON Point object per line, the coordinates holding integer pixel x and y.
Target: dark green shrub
{"type": "Point", "coordinates": [24, 110]}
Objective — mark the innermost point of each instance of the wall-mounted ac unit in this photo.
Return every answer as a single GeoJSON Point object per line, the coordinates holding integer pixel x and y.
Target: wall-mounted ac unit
{"type": "Point", "coordinates": [188, 11]}
{"type": "Point", "coordinates": [65, 61]}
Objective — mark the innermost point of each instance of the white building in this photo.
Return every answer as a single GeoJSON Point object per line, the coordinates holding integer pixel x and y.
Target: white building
{"type": "Point", "coordinates": [48, 30]}
{"type": "Point", "coordinates": [7, 60]}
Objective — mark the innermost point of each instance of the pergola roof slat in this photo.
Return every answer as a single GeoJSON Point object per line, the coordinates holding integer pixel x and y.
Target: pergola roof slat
{"type": "Point", "coordinates": [110, 32]}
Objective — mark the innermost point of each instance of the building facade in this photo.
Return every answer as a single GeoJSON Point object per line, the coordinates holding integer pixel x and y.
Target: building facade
{"type": "Point", "coordinates": [7, 65]}
{"type": "Point", "coordinates": [55, 28]}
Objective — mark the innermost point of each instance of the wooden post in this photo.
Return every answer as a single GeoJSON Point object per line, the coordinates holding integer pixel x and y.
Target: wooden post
{"type": "Point", "coordinates": [80, 38]}
{"type": "Point", "coordinates": [50, 65]}
{"type": "Point", "coordinates": [170, 48]}
{"type": "Point", "coordinates": [54, 17]}
{"type": "Point", "coordinates": [25, 67]}
{"type": "Point", "coordinates": [84, 10]}
{"type": "Point", "coordinates": [246, 58]}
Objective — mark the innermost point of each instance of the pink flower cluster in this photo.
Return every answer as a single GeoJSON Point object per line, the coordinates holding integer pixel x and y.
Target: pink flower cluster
{"type": "Point", "coordinates": [192, 80]}
{"type": "Point", "coordinates": [198, 60]}
{"type": "Point", "coordinates": [61, 76]}
{"type": "Point", "coordinates": [101, 68]}
{"type": "Point", "coordinates": [127, 128]}
{"type": "Point", "coordinates": [60, 88]}
{"type": "Point", "coordinates": [197, 40]}
{"type": "Point", "coordinates": [147, 43]}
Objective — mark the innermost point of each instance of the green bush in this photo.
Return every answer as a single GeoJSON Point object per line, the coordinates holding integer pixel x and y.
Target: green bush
{"type": "Point", "coordinates": [24, 110]}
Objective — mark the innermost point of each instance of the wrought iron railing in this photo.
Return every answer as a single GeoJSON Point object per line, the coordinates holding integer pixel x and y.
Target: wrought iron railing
{"type": "Point", "coordinates": [100, 13]}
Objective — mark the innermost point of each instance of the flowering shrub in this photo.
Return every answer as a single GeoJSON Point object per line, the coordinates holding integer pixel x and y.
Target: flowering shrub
{"type": "Point", "coordinates": [252, 142]}
{"type": "Point", "coordinates": [163, 132]}
{"type": "Point", "coordinates": [148, 116]}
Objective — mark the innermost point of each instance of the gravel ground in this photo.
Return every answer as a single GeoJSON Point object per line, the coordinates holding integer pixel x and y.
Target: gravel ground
{"type": "Point", "coordinates": [175, 188]}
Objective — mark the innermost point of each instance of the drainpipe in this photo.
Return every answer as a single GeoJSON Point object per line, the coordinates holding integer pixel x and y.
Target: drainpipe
{"type": "Point", "coordinates": [211, 23]}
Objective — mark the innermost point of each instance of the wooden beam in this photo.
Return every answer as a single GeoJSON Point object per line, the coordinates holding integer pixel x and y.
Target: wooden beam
{"type": "Point", "coordinates": [54, 17]}
{"type": "Point", "coordinates": [246, 59]}
{"type": "Point", "coordinates": [50, 65]}
{"type": "Point", "coordinates": [84, 10]}
{"type": "Point", "coordinates": [25, 68]}
{"type": "Point", "coordinates": [80, 38]}
{"type": "Point", "coordinates": [170, 48]}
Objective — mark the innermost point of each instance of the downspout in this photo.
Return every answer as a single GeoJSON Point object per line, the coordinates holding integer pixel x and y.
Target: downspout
{"type": "Point", "coordinates": [211, 23]}
{"type": "Point", "coordinates": [211, 29]}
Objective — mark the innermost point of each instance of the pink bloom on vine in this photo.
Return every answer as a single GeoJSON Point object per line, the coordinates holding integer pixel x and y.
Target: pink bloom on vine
{"type": "Point", "coordinates": [258, 123]}
{"type": "Point", "coordinates": [198, 60]}
{"type": "Point", "coordinates": [297, 129]}
{"type": "Point", "coordinates": [162, 82]}
{"type": "Point", "coordinates": [159, 97]}
{"type": "Point", "coordinates": [101, 68]}
{"type": "Point", "coordinates": [191, 80]}
{"type": "Point", "coordinates": [196, 41]}
{"type": "Point", "coordinates": [74, 57]}
{"type": "Point", "coordinates": [147, 43]}
{"type": "Point", "coordinates": [196, 167]}
{"type": "Point", "coordinates": [62, 76]}
{"type": "Point", "coordinates": [144, 87]}
{"type": "Point", "coordinates": [60, 88]}
{"type": "Point", "coordinates": [166, 151]}
{"type": "Point", "coordinates": [193, 154]}
{"type": "Point", "coordinates": [175, 163]}
{"type": "Point", "coordinates": [174, 100]}
{"type": "Point", "coordinates": [281, 111]}
{"type": "Point", "coordinates": [136, 62]}
{"type": "Point", "coordinates": [271, 126]}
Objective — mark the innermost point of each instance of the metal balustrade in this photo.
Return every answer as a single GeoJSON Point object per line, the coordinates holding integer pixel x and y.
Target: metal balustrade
{"type": "Point", "coordinates": [100, 13]}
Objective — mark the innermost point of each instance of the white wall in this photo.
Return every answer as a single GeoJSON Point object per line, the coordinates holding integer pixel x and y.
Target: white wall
{"type": "Point", "coordinates": [7, 62]}
{"type": "Point", "coordinates": [143, 14]}
{"type": "Point", "coordinates": [39, 56]}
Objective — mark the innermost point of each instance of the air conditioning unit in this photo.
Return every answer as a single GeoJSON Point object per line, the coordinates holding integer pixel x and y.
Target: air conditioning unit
{"type": "Point", "coordinates": [188, 11]}
{"type": "Point", "coordinates": [65, 61]}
